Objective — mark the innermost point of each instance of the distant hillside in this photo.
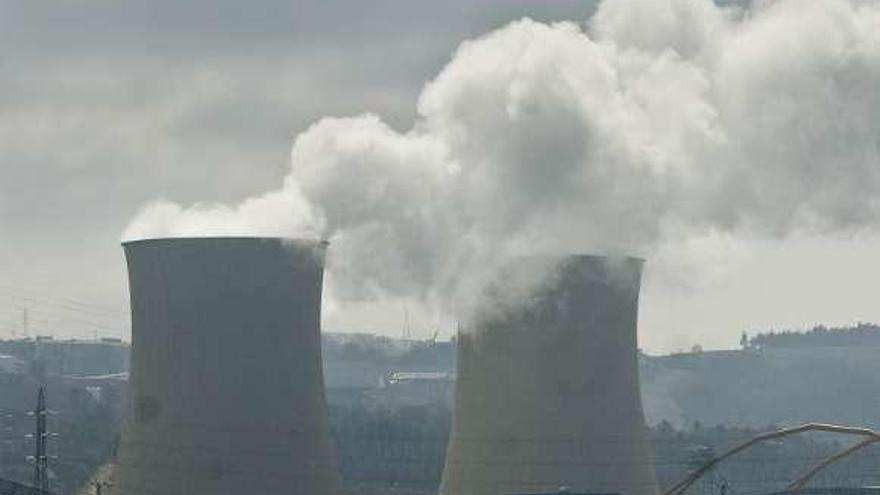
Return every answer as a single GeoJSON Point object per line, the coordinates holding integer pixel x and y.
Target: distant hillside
{"type": "Point", "coordinates": [863, 334]}
{"type": "Point", "coordinates": [824, 374]}
{"type": "Point", "coordinates": [785, 377]}
{"type": "Point", "coordinates": [363, 361]}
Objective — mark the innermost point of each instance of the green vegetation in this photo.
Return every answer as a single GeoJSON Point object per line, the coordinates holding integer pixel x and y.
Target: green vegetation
{"type": "Point", "coordinates": [862, 334]}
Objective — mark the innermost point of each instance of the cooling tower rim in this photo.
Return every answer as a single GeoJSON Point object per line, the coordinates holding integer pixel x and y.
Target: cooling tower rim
{"type": "Point", "coordinates": [236, 238]}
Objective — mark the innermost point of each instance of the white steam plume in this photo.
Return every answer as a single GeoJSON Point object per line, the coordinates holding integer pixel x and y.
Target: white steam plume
{"type": "Point", "coordinates": [660, 121]}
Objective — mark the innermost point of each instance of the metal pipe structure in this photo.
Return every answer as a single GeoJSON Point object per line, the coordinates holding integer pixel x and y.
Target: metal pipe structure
{"type": "Point", "coordinates": [870, 437]}
{"type": "Point", "coordinates": [547, 396]}
{"type": "Point", "coordinates": [226, 385]}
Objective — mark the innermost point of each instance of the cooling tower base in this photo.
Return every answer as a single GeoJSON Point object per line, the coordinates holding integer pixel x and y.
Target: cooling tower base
{"type": "Point", "coordinates": [547, 395]}
{"type": "Point", "coordinates": [226, 384]}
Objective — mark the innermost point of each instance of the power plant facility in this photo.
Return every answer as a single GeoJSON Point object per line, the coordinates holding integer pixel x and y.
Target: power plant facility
{"type": "Point", "coordinates": [440, 247]}
{"type": "Point", "coordinates": [226, 386]}
{"type": "Point", "coordinates": [547, 396]}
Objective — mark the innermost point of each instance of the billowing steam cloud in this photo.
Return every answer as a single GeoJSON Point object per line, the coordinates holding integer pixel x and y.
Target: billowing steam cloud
{"type": "Point", "coordinates": [659, 121]}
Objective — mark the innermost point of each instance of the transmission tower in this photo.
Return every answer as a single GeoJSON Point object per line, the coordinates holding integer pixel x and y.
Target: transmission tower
{"type": "Point", "coordinates": [41, 458]}
{"type": "Point", "coordinates": [25, 322]}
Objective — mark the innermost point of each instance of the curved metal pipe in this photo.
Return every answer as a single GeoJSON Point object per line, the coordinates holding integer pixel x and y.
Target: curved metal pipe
{"type": "Point", "coordinates": [698, 473]}
{"type": "Point", "coordinates": [812, 472]}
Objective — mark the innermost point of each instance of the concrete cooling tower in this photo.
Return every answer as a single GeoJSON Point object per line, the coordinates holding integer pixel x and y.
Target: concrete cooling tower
{"type": "Point", "coordinates": [547, 396]}
{"type": "Point", "coordinates": [226, 387]}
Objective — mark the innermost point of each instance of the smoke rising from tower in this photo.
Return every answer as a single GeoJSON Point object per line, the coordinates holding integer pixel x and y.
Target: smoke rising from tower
{"type": "Point", "coordinates": [656, 122]}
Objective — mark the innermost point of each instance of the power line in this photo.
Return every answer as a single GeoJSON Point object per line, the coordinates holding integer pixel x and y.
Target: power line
{"type": "Point", "coordinates": [72, 314]}
{"type": "Point", "coordinates": [37, 296]}
{"type": "Point", "coordinates": [53, 311]}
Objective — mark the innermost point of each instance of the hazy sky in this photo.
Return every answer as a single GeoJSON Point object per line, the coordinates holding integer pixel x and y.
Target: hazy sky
{"type": "Point", "coordinates": [105, 105]}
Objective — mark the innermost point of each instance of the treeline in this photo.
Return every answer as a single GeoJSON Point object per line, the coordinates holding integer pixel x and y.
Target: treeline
{"type": "Point", "coordinates": [402, 451]}
{"type": "Point", "coordinates": [383, 450]}
{"type": "Point", "coordinates": [862, 334]}
{"type": "Point", "coordinates": [387, 351]}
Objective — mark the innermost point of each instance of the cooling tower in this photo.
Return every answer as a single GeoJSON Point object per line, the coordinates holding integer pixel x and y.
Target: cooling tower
{"type": "Point", "coordinates": [547, 396]}
{"type": "Point", "coordinates": [226, 386]}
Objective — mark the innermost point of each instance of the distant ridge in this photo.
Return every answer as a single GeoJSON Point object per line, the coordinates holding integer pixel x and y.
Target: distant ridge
{"type": "Point", "coordinates": [859, 335]}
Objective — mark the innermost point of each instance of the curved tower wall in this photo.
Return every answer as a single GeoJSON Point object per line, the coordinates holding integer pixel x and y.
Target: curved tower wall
{"type": "Point", "coordinates": [547, 394]}
{"type": "Point", "coordinates": [226, 385]}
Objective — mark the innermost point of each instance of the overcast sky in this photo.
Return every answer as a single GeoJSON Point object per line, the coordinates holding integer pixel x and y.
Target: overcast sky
{"type": "Point", "coordinates": [107, 104]}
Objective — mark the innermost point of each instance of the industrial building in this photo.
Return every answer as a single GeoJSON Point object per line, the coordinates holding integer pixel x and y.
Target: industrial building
{"type": "Point", "coordinates": [227, 393]}
{"type": "Point", "coordinates": [547, 397]}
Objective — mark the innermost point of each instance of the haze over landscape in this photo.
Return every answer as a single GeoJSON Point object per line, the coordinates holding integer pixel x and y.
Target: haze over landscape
{"type": "Point", "coordinates": [735, 148]}
{"type": "Point", "coordinates": [465, 247]}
